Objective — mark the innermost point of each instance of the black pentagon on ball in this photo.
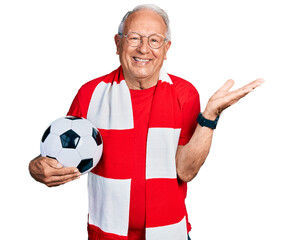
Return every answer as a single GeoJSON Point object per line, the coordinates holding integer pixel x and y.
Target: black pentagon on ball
{"type": "Point", "coordinates": [46, 133]}
{"type": "Point", "coordinates": [85, 165]}
{"type": "Point", "coordinates": [69, 139]}
{"type": "Point", "coordinates": [97, 136]}
{"type": "Point", "coordinates": [73, 118]}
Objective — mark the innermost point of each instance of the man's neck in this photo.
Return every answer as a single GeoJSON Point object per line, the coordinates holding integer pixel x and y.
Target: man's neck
{"type": "Point", "coordinates": [140, 84]}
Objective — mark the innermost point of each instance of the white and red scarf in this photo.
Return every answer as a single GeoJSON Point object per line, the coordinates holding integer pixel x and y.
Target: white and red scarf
{"type": "Point", "coordinates": [109, 184]}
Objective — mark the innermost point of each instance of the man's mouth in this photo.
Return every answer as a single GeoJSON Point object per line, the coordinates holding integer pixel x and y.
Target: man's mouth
{"type": "Point", "coordinates": [140, 60]}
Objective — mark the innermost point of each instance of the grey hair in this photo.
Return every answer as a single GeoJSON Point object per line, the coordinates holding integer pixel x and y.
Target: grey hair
{"type": "Point", "coordinates": [153, 8]}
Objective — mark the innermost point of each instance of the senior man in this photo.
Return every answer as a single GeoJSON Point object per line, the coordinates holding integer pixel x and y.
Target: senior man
{"type": "Point", "coordinates": [152, 143]}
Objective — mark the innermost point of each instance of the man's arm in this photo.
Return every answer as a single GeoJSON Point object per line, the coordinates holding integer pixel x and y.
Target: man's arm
{"type": "Point", "coordinates": [50, 172]}
{"type": "Point", "coordinates": [190, 157]}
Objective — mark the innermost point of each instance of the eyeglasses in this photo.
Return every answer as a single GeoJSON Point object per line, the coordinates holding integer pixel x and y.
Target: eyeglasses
{"type": "Point", "coordinates": [134, 39]}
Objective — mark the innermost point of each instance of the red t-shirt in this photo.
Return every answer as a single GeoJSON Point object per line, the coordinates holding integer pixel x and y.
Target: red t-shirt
{"type": "Point", "coordinates": [141, 106]}
{"type": "Point", "coordinates": [188, 100]}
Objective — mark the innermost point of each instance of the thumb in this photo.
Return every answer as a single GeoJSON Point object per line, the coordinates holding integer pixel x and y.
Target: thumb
{"type": "Point", "coordinates": [227, 86]}
{"type": "Point", "coordinates": [52, 162]}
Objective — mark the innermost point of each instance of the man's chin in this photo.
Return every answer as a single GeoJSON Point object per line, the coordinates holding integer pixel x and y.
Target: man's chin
{"type": "Point", "coordinates": [142, 74]}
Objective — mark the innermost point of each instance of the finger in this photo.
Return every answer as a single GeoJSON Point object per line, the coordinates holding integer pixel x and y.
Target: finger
{"type": "Point", "coordinates": [236, 95]}
{"type": "Point", "coordinates": [254, 84]}
{"type": "Point", "coordinates": [241, 92]}
{"type": "Point", "coordinates": [227, 86]}
{"type": "Point", "coordinates": [57, 181]}
{"type": "Point", "coordinates": [56, 169]}
{"type": "Point", "coordinates": [257, 83]}
{"type": "Point", "coordinates": [52, 162]}
{"type": "Point", "coordinates": [65, 171]}
{"type": "Point", "coordinates": [64, 178]}
{"type": "Point", "coordinates": [61, 176]}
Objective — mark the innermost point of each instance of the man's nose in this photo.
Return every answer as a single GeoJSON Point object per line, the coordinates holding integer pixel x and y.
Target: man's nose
{"type": "Point", "coordinates": [144, 45]}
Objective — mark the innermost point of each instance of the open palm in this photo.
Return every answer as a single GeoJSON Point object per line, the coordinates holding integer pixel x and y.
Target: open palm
{"type": "Point", "coordinates": [224, 98]}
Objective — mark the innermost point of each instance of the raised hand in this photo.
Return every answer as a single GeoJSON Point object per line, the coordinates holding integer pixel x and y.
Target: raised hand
{"type": "Point", "coordinates": [224, 98]}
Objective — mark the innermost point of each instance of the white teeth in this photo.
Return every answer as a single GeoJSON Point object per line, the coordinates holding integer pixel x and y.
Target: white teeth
{"type": "Point", "coordinates": [141, 60]}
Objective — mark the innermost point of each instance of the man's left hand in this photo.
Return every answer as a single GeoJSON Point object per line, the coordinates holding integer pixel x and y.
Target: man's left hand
{"type": "Point", "coordinates": [224, 98]}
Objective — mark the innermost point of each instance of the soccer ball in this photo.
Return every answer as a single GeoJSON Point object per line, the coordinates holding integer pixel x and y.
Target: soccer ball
{"type": "Point", "coordinates": [74, 142]}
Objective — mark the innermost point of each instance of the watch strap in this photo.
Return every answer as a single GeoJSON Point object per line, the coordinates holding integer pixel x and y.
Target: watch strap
{"type": "Point", "coordinates": [202, 121]}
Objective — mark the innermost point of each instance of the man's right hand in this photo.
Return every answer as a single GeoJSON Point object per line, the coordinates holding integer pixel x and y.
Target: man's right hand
{"type": "Point", "coordinates": [50, 172]}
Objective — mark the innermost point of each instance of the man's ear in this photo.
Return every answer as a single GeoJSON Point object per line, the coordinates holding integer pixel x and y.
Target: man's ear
{"type": "Point", "coordinates": [167, 46]}
{"type": "Point", "coordinates": [117, 39]}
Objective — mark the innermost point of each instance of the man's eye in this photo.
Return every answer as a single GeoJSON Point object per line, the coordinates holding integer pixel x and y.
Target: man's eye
{"type": "Point", "coordinates": [134, 39]}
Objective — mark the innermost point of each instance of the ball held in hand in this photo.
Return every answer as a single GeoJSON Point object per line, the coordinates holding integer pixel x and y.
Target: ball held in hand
{"type": "Point", "coordinates": [74, 142]}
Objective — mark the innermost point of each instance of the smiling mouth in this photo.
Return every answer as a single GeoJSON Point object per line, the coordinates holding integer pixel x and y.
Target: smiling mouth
{"type": "Point", "coordinates": [141, 60]}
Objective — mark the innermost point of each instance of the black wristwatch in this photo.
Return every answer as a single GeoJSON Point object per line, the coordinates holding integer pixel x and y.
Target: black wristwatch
{"type": "Point", "coordinates": [202, 121]}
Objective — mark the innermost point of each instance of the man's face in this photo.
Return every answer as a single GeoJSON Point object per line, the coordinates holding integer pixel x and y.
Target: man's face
{"type": "Point", "coordinates": [142, 63]}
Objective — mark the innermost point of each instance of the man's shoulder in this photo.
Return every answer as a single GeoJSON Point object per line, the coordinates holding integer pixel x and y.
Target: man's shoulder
{"type": "Point", "coordinates": [183, 87]}
{"type": "Point", "coordinates": [90, 86]}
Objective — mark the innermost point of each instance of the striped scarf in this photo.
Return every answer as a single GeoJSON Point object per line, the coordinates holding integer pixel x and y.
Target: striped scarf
{"type": "Point", "coordinates": [109, 184]}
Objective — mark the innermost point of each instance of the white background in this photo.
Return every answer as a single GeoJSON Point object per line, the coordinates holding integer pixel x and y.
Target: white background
{"type": "Point", "coordinates": [48, 49]}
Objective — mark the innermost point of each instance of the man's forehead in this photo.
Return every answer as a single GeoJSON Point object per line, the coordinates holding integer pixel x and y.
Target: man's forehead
{"type": "Point", "coordinates": [145, 20]}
